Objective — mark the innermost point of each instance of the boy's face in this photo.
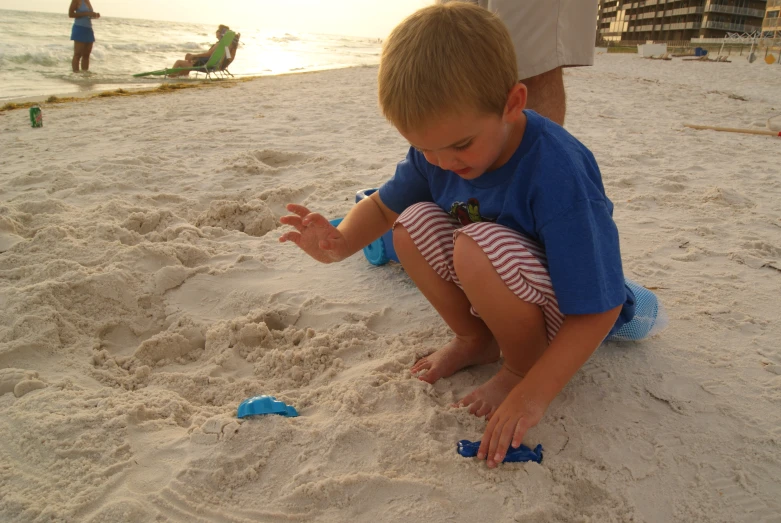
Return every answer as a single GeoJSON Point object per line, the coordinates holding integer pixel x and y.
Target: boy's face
{"type": "Point", "coordinates": [473, 142]}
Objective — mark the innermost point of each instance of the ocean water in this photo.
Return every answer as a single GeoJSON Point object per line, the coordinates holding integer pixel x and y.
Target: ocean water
{"type": "Point", "coordinates": [36, 52]}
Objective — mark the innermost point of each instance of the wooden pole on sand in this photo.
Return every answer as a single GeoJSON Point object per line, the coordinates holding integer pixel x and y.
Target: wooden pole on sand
{"type": "Point", "coordinates": [733, 130]}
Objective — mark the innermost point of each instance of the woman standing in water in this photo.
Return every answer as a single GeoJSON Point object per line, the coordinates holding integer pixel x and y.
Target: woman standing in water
{"type": "Point", "coordinates": [82, 35]}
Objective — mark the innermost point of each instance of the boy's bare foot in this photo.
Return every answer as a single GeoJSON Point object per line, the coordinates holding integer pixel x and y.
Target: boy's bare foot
{"type": "Point", "coordinates": [461, 352]}
{"type": "Point", "coordinates": [485, 399]}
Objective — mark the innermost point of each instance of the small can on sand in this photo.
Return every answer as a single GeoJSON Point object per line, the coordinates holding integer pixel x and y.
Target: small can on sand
{"type": "Point", "coordinates": [36, 116]}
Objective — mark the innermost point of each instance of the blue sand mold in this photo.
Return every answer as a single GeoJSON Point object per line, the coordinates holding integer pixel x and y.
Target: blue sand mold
{"type": "Point", "coordinates": [265, 405]}
{"type": "Point", "coordinates": [468, 449]}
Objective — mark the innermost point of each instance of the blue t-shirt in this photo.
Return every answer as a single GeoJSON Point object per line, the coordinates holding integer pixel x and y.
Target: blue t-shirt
{"type": "Point", "coordinates": [551, 192]}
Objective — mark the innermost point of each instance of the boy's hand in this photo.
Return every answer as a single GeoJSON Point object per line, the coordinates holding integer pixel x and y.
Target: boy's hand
{"type": "Point", "coordinates": [316, 236]}
{"type": "Point", "coordinates": [519, 412]}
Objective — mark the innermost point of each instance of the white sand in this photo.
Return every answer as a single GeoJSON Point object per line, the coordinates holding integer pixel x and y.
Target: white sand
{"type": "Point", "coordinates": [144, 295]}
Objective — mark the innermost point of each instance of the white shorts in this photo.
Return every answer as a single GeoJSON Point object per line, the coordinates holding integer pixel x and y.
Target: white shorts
{"type": "Point", "coordinates": [548, 33]}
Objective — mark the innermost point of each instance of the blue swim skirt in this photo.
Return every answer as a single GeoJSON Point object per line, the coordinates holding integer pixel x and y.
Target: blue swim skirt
{"type": "Point", "coordinates": [80, 33]}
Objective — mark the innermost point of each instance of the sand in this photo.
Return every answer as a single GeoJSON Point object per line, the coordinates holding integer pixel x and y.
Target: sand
{"type": "Point", "coordinates": [145, 295]}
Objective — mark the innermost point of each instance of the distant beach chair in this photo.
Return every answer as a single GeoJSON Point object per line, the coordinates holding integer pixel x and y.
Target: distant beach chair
{"type": "Point", "coordinates": [213, 65]}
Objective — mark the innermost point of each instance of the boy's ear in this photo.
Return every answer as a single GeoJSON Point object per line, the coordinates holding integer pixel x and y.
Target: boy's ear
{"type": "Point", "coordinates": [516, 102]}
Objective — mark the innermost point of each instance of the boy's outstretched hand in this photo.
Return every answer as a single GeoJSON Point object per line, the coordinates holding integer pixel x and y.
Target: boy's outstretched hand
{"type": "Point", "coordinates": [519, 412]}
{"type": "Point", "coordinates": [316, 236]}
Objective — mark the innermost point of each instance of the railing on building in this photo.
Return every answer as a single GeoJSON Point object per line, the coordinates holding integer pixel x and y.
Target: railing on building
{"type": "Point", "coordinates": [684, 11]}
{"type": "Point", "coordinates": [665, 27]}
{"type": "Point", "coordinates": [673, 12]}
{"type": "Point", "coordinates": [640, 28]}
{"type": "Point", "coordinates": [738, 28]}
{"type": "Point", "coordinates": [647, 3]}
{"type": "Point", "coordinates": [681, 25]}
{"type": "Point", "coordinates": [711, 7]}
{"type": "Point", "coordinates": [727, 9]}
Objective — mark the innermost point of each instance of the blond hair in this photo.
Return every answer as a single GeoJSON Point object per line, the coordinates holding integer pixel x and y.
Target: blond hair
{"type": "Point", "coordinates": [223, 29]}
{"type": "Point", "coordinates": [443, 60]}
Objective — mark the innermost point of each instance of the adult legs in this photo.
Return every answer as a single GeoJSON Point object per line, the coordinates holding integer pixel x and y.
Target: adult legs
{"type": "Point", "coordinates": [81, 52]}
{"type": "Point", "coordinates": [85, 56]}
{"type": "Point", "coordinates": [546, 95]}
{"type": "Point", "coordinates": [182, 63]}
{"type": "Point", "coordinates": [548, 35]}
{"type": "Point", "coordinates": [78, 50]}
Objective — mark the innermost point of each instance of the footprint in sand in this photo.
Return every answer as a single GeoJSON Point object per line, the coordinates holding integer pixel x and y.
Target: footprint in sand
{"type": "Point", "coordinates": [735, 489]}
{"type": "Point", "coordinates": [266, 161]}
{"type": "Point", "coordinates": [277, 159]}
{"type": "Point", "coordinates": [727, 197]}
{"type": "Point", "coordinates": [717, 388]}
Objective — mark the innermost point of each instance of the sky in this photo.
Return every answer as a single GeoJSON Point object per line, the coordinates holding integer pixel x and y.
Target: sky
{"type": "Point", "coordinates": [346, 17]}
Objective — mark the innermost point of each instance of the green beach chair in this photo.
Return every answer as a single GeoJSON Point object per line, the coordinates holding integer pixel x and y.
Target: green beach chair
{"type": "Point", "coordinates": [215, 63]}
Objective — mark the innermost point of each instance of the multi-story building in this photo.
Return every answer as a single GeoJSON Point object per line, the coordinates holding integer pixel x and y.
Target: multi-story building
{"type": "Point", "coordinates": [678, 19]}
{"type": "Point", "coordinates": [771, 25]}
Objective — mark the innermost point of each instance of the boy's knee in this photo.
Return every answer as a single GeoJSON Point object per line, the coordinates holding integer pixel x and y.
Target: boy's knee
{"type": "Point", "coordinates": [465, 251]}
{"type": "Point", "coordinates": [402, 241]}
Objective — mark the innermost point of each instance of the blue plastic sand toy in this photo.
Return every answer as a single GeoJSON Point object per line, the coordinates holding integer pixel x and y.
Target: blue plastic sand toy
{"type": "Point", "coordinates": [265, 405]}
{"type": "Point", "coordinates": [468, 449]}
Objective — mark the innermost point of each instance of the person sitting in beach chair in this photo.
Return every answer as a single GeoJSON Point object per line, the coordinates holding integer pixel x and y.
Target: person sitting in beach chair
{"type": "Point", "coordinates": [230, 55]}
{"type": "Point", "coordinates": [198, 59]}
{"type": "Point", "coordinates": [213, 61]}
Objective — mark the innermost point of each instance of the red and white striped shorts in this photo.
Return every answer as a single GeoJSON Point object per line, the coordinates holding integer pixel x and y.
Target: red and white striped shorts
{"type": "Point", "coordinates": [519, 261]}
